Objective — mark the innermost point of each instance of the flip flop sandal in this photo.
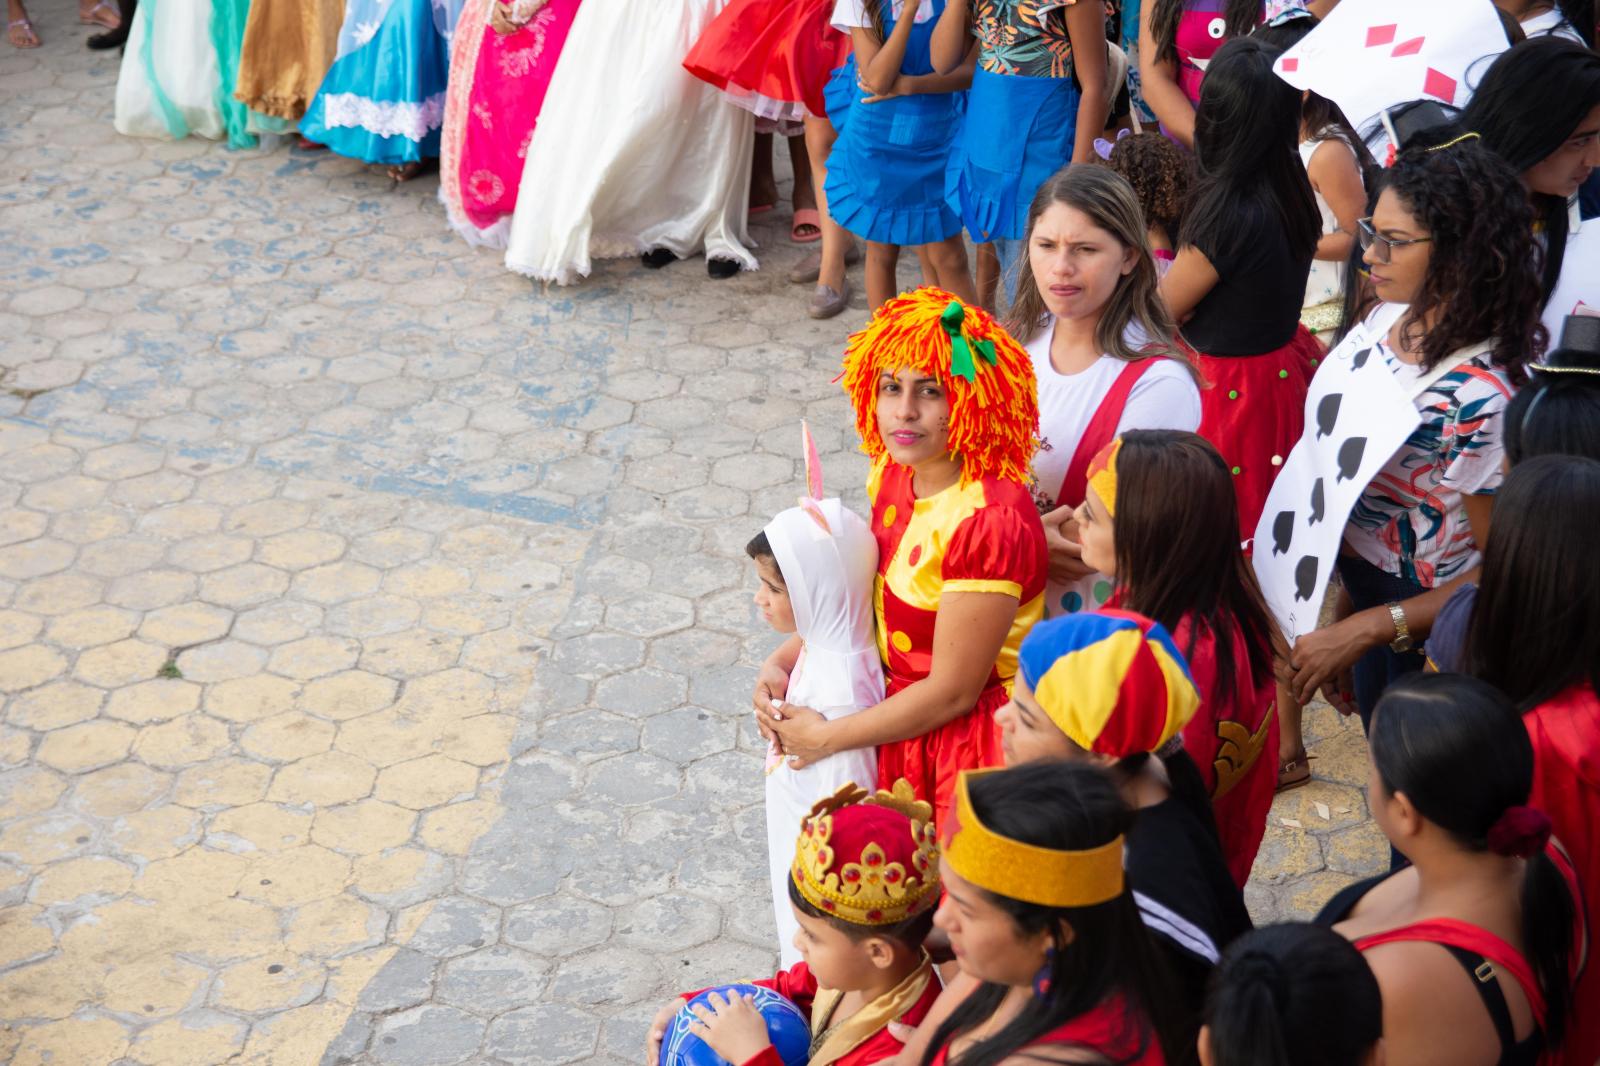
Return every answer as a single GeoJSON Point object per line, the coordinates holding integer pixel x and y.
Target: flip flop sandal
{"type": "Point", "coordinates": [761, 209]}
{"type": "Point", "coordinates": [803, 217]}
{"type": "Point", "coordinates": [87, 18]}
{"type": "Point", "coordinates": [1294, 774]}
{"type": "Point", "coordinates": [27, 27]}
{"type": "Point", "coordinates": [404, 172]}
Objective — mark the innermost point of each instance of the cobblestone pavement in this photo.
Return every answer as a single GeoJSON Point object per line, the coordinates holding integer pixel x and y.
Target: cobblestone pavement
{"type": "Point", "coordinates": [375, 636]}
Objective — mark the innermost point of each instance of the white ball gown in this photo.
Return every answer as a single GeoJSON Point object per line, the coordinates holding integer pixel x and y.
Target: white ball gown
{"type": "Point", "coordinates": [632, 152]}
{"type": "Point", "coordinates": [168, 83]}
{"type": "Point", "coordinates": [179, 71]}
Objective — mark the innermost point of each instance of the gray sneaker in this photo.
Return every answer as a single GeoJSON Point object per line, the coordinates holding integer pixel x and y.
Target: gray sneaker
{"type": "Point", "coordinates": [827, 302]}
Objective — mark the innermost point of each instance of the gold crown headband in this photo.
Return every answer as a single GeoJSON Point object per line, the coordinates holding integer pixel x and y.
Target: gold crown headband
{"type": "Point", "coordinates": [1015, 870]}
{"type": "Point", "coordinates": [871, 890]}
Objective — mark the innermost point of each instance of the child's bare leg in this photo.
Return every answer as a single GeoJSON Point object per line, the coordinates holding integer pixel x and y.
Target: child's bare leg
{"type": "Point", "coordinates": [882, 259]}
{"type": "Point", "coordinates": [949, 261]}
{"type": "Point", "coordinates": [763, 185]}
{"type": "Point", "coordinates": [930, 276]}
{"type": "Point", "coordinates": [988, 285]}
{"type": "Point", "coordinates": [820, 136]}
{"type": "Point", "coordinates": [804, 197]}
{"type": "Point", "coordinates": [1291, 738]}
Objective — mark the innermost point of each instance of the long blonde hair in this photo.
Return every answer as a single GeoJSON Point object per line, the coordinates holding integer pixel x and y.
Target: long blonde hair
{"type": "Point", "coordinates": [1110, 203]}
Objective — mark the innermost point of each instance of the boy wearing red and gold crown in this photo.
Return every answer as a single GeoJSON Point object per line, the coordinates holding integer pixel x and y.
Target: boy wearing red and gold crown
{"type": "Point", "coordinates": [864, 886]}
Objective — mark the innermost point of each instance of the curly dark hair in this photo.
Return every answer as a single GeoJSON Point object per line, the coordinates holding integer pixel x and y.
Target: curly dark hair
{"type": "Point", "coordinates": [1160, 173]}
{"type": "Point", "coordinates": [1483, 267]}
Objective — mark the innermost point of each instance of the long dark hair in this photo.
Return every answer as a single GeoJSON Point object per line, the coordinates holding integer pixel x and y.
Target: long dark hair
{"type": "Point", "coordinates": [1318, 114]}
{"type": "Point", "coordinates": [1580, 15]}
{"type": "Point", "coordinates": [1458, 750]}
{"type": "Point", "coordinates": [1246, 139]}
{"type": "Point", "coordinates": [1556, 413]}
{"type": "Point", "coordinates": [1177, 559]}
{"type": "Point", "coordinates": [875, 16]}
{"type": "Point", "coordinates": [1482, 273]}
{"type": "Point", "coordinates": [1293, 995]}
{"type": "Point", "coordinates": [1530, 101]}
{"type": "Point", "coordinates": [1538, 577]}
{"type": "Point", "coordinates": [1359, 296]}
{"type": "Point", "coordinates": [1241, 17]}
{"type": "Point", "coordinates": [1068, 807]}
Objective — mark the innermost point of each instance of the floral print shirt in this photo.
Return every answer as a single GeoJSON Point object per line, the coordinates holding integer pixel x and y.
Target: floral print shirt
{"type": "Point", "coordinates": [1024, 37]}
{"type": "Point", "coordinates": [1412, 519]}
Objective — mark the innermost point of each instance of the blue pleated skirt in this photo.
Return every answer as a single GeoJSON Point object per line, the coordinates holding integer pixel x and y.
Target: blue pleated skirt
{"type": "Point", "coordinates": [889, 175]}
{"type": "Point", "coordinates": [383, 102]}
{"type": "Point", "coordinates": [1019, 131]}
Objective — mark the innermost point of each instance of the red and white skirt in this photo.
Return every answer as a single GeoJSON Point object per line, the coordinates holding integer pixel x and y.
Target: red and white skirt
{"type": "Point", "coordinates": [1253, 410]}
{"type": "Point", "coordinates": [772, 57]}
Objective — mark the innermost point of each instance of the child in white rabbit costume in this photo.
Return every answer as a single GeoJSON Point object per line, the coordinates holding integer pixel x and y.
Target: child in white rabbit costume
{"type": "Point", "coordinates": [822, 559]}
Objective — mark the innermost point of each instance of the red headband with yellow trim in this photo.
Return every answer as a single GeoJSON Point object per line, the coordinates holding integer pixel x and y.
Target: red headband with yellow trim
{"type": "Point", "coordinates": [1103, 475]}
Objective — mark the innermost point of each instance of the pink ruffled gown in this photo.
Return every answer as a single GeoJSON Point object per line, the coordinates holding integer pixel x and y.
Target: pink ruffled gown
{"type": "Point", "coordinates": [497, 88]}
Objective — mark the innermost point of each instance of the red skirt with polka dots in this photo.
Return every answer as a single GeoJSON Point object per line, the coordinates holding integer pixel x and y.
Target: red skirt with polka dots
{"type": "Point", "coordinates": [933, 761]}
{"type": "Point", "coordinates": [1253, 409]}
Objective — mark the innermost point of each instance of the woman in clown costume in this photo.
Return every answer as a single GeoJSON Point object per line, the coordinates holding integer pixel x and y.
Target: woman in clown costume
{"type": "Point", "coordinates": [946, 407]}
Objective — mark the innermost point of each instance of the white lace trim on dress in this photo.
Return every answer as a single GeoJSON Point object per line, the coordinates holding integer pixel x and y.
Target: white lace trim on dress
{"type": "Point", "coordinates": [384, 118]}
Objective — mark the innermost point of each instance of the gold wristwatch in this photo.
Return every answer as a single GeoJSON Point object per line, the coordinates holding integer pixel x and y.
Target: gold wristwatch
{"type": "Point", "coordinates": [1402, 632]}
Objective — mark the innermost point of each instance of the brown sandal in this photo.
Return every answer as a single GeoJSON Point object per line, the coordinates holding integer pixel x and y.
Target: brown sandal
{"type": "Point", "coordinates": [1294, 773]}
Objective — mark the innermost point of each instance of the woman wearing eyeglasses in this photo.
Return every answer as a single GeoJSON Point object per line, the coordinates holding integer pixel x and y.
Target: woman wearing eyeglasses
{"type": "Point", "coordinates": [1451, 237]}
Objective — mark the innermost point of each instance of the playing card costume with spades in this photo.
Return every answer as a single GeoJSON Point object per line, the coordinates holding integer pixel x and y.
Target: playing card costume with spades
{"type": "Point", "coordinates": [1357, 415]}
{"type": "Point", "coordinates": [1578, 291]}
{"type": "Point", "coordinates": [1370, 55]}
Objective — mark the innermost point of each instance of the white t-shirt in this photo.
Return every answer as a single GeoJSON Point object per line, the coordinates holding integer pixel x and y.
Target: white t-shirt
{"type": "Point", "coordinates": [1551, 22]}
{"type": "Point", "coordinates": [853, 14]}
{"type": "Point", "coordinates": [1326, 280]}
{"type": "Point", "coordinates": [1165, 397]}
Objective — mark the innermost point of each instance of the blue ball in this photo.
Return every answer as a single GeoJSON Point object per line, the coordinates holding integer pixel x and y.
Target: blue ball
{"type": "Point", "coordinates": [788, 1028]}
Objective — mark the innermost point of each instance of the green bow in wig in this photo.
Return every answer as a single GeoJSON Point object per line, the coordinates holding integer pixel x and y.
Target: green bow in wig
{"type": "Point", "coordinates": [963, 364]}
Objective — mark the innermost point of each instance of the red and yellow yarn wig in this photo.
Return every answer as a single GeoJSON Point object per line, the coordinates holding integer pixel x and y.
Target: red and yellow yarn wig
{"type": "Point", "coordinates": [994, 399]}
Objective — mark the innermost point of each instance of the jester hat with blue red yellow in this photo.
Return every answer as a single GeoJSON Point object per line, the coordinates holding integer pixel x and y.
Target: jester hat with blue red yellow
{"type": "Point", "coordinates": [1112, 681]}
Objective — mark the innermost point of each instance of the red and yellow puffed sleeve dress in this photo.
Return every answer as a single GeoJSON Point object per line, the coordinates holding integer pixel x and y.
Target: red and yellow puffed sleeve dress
{"type": "Point", "coordinates": [983, 536]}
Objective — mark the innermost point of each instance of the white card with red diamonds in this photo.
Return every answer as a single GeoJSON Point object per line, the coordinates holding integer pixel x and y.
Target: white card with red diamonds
{"type": "Point", "coordinates": [1369, 55]}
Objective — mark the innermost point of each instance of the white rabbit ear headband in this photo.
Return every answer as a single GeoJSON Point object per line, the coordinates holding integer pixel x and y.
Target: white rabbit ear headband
{"type": "Point", "coordinates": [811, 502]}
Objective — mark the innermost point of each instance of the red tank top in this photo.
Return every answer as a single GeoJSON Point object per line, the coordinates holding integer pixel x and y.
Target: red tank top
{"type": "Point", "coordinates": [1111, 1029]}
{"type": "Point", "coordinates": [1471, 938]}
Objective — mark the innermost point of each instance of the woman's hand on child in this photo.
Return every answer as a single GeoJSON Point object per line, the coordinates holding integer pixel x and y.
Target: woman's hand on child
{"type": "Point", "coordinates": [658, 1031]}
{"type": "Point", "coordinates": [731, 1027]}
{"type": "Point", "coordinates": [1061, 540]}
{"type": "Point", "coordinates": [802, 733]}
{"type": "Point", "coordinates": [775, 710]}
